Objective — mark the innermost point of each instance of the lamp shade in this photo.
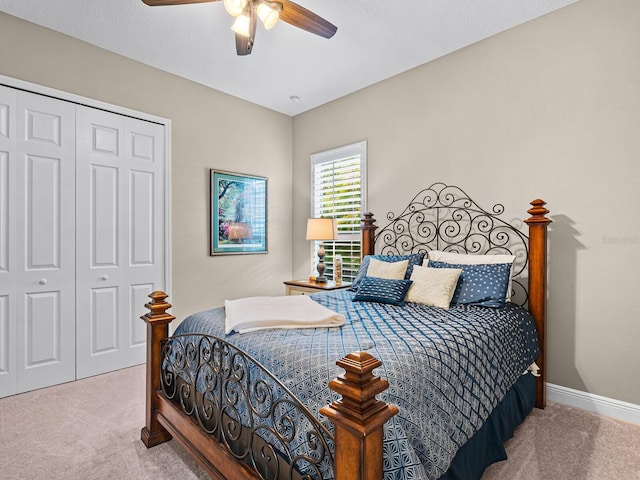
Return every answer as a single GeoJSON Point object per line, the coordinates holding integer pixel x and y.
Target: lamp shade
{"type": "Point", "coordinates": [269, 13]}
{"type": "Point", "coordinates": [321, 229]}
{"type": "Point", "coordinates": [234, 7]}
{"type": "Point", "coordinates": [241, 25]}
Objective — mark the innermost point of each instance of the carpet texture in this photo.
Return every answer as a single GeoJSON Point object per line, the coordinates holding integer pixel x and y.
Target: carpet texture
{"type": "Point", "coordinates": [90, 430]}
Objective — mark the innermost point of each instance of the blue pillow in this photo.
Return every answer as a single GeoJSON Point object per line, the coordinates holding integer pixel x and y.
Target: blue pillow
{"type": "Point", "coordinates": [382, 290]}
{"type": "Point", "coordinates": [414, 259]}
{"type": "Point", "coordinates": [483, 284]}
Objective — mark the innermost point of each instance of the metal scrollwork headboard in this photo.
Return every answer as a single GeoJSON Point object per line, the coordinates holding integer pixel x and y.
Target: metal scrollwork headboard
{"type": "Point", "coordinates": [443, 217]}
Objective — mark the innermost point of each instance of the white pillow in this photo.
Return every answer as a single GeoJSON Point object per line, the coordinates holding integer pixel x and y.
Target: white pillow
{"type": "Point", "coordinates": [470, 259]}
{"type": "Point", "coordinates": [433, 286]}
{"type": "Point", "coordinates": [388, 270]}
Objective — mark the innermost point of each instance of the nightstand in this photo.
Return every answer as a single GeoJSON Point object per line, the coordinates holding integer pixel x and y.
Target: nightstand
{"type": "Point", "coordinates": [301, 287]}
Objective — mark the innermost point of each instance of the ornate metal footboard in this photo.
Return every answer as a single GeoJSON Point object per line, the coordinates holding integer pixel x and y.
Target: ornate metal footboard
{"type": "Point", "coordinates": [242, 406]}
{"type": "Point", "coordinates": [240, 423]}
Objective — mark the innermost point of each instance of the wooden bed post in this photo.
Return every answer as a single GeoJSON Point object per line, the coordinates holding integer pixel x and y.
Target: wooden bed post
{"type": "Point", "coordinates": [538, 286]}
{"type": "Point", "coordinates": [359, 418]}
{"type": "Point", "coordinates": [368, 234]}
{"type": "Point", "coordinates": [158, 321]}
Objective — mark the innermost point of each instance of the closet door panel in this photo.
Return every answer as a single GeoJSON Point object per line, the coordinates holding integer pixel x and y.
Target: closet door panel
{"type": "Point", "coordinates": [42, 217]}
{"type": "Point", "coordinates": [104, 320]}
{"type": "Point", "coordinates": [144, 142]}
{"type": "Point", "coordinates": [141, 228]}
{"type": "Point", "coordinates": [5, 190]}
{"type": "Point", "coordinates": [117, 237]}
{"type": "Point", "coordinates": [8, 269]}
{"type": "Point", "coordinates": [42, 324]}
{"type": "Point", "coordinates": [101, 232]}
{"type": "Point", "coordinates": [45, 241]}
{"type": "Point", "coordinates": [8, 377]}
{"type": "Point", "coordinates": [104, 216]}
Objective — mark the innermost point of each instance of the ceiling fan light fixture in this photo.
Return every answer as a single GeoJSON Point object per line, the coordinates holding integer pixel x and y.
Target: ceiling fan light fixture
{"type": "Point", "coordinates": [234, 7]}
{"type": "Point", "coordinates": [269, 13]}
{"type": "Point", "coordinates": [247, 12]}
{"type": "Point", "coordinates": [242, 25]}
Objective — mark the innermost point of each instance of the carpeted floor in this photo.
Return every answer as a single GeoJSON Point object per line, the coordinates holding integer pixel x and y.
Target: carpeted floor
{"type": "Point", "coordinates": [564, 443]}
{"type": "Point", "coordinates": [90, 429]}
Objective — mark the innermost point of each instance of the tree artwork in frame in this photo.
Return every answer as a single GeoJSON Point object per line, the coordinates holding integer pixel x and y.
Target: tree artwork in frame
{"type": "Point", "coordinates": [238, 213]}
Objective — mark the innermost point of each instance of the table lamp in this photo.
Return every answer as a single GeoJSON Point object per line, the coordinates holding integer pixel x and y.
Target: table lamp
{"type": "Point", "coordinates": [321, 229]}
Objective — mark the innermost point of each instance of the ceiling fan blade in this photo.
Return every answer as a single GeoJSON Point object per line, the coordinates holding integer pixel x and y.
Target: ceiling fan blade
{"type": "Point", "coordinates": [300, 17]}
{"type": "Point", "coordinates": [156, 3]}
{"type": "Point", "coordinates": [244, 45]}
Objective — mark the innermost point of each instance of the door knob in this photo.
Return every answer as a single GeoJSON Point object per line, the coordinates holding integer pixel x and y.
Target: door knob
{"type": "Point", "coordinates": [104, 278]}
{"type": "Point", "coordinates": [43, 281]}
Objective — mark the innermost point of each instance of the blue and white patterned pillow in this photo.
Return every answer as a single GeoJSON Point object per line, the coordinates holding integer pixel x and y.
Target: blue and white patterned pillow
{"type": "Point", "coordinates": [483, 284]}
{"type": "Point", "coordinates": [382, 290]}
{"type": "Point", "coordinates": [413, 258]}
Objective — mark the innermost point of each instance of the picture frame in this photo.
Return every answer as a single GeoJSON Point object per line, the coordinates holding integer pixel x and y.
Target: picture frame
{"type": "Point", "coordinates": [238, 213]}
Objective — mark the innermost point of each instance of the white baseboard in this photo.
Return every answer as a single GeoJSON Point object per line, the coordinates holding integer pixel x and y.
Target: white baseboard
{"type": "Point", "coordinates": [609, 407]}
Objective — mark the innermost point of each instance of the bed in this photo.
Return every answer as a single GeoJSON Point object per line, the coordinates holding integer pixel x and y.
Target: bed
{"type": "Point", "coordinates": [454, 382]}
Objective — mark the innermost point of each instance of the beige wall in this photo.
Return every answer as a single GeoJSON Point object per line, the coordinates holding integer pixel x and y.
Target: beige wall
{"type": "Point", "coordinates": [208, 130]}
{"type": "Point", "coordinates": [550, 110]}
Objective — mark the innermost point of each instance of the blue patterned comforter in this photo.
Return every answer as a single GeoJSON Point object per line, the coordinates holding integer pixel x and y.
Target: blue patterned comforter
{"type": "Point", "coordinates": [447, 369]}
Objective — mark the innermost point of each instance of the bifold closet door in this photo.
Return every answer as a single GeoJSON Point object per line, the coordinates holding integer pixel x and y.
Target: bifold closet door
{"type": "Point", "coordinates": [37, 263]}
{"type": "Point", "coordinates": [119, 236]}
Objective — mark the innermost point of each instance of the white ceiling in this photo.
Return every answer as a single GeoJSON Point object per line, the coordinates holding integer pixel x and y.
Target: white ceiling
{"type": "Point", "coordinates": [375, 40]}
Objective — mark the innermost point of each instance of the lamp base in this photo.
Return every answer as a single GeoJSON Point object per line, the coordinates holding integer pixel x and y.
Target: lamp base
{"type": "Point", "coordinates": [320, 266]}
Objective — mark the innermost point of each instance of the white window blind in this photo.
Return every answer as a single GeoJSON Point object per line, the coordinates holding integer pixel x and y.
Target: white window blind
{"type": "Point", "coordinates": [338, 190]}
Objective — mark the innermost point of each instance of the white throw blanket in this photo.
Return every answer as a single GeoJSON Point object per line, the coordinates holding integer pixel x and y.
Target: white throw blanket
{"type": "Point", "coordinates": [295, 311]}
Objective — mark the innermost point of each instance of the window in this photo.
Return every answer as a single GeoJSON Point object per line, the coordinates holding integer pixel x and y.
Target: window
{"type": "Point", "coordinates": [338, 190]}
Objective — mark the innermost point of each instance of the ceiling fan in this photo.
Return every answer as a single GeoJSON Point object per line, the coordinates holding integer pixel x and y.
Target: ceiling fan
{"type": "Point", "coordinates": [246, 13]}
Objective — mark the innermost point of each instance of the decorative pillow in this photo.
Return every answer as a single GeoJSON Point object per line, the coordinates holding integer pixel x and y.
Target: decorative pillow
{"type": "Point", "coordinates": [471, 259]}
{"type": "Point", "coordinates": [413, 258]}
{"type": "Point", "coordinates": [433, 286]}
{"type": "Point", "coordinates": [484, 284]}
{"type": "Point", "coordinates": [382, 290]}
{"type": "Point", "coordinates": [389, 270]}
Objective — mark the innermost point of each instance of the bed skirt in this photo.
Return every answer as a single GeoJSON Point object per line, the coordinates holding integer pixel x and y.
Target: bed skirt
{"type": "Point", "coordinates": [487, 445]}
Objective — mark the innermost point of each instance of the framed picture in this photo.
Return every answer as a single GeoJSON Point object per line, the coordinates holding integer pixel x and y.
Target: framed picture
{"type": "Point", "coordinates": [238, 213]}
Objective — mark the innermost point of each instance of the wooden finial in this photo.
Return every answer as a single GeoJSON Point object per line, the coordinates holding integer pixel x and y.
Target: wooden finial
{"type": "Point", "coordinates": [157, 308]}
{"type": "Point", "coordinates": [538, 212]}
{"type": "Point", "coordinates": [359, 386]}
{"type": "Point", "coordinates": [368, 221]}
{"type": "Point", "coordinates": [368, 228]}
